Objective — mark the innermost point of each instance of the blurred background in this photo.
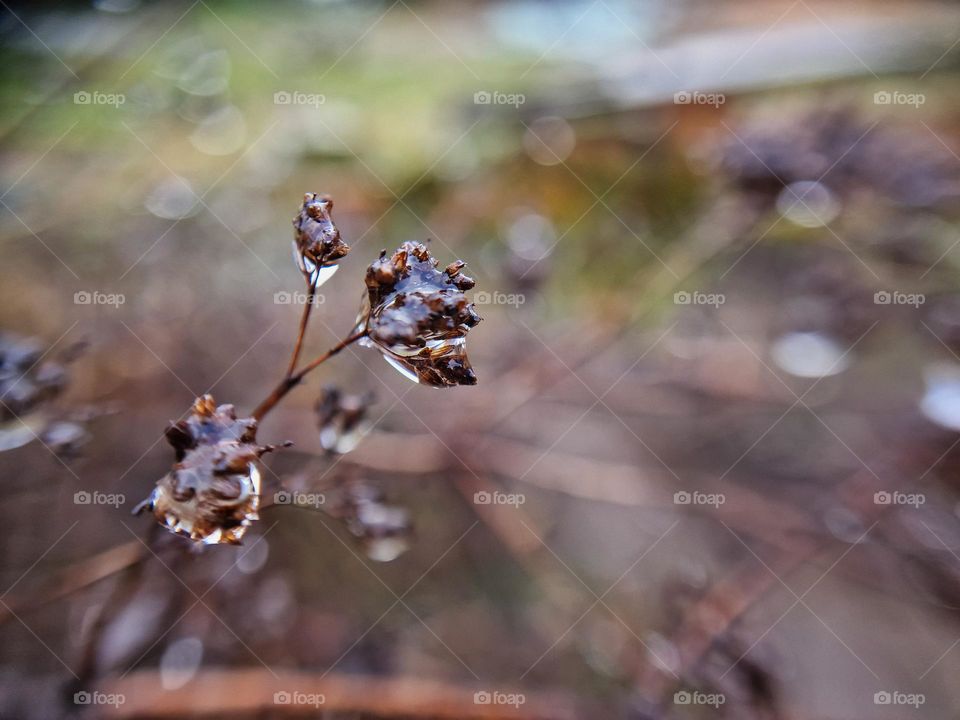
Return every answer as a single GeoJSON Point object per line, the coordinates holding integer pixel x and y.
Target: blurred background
{"type": "Point", "coordinates": [710, 468]}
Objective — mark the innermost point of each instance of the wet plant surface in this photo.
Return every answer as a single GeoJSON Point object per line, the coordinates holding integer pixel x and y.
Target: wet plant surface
{"type": "Point", "coordinates": [700, 459]}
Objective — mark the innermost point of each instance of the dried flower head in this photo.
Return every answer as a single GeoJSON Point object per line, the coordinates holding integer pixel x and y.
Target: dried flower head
{"type": "Point", "coordinates": [383, 530]}
{"type": "Point", "coordinates": [316, 240]}
{"type": "Point", "coordinates": [25, 382]}
{"type": "Point", "coordinates": [418, 316]}
{"type": "Point", "coordinates": [28, 385]}
{"type": "Point", "coordinates": [212, 493]}
{"type": "Point", "coordinates": [342, 419]}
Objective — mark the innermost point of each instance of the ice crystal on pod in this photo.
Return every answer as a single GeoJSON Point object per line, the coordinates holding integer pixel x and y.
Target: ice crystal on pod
{"type": "Point", "coordinates": [212, 493]}
{"type": "Point", "coordinates": [418, 316]}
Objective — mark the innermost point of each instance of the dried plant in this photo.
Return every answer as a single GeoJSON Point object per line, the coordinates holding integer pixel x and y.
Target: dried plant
{"type": "Point", "coordinates": [30, 385]}
{"type": "Point", "coordinates": [418, 316]}
{"type": "Point", "coordinates": [383, 529]}
{"type": "Point", "coordinates": [342, 419]}
{"type": "Point", "coordinates": [212, 494]}
{"type": "Point", "coordinates": [413, 313]}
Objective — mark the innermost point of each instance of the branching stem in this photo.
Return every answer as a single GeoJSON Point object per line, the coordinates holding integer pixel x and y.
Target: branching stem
{"type": "Point", "coordinates": [293, 379]}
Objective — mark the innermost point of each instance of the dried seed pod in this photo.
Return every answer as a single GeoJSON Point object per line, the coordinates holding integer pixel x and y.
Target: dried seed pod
{"type": "Point", "coordinates": [842, 149]}
{"type": "Point", "coordinates": [342, 419]}
{"type": "Point", "coordinates": [316, 240]}
{"type": "Point", "coordinates": [384, 530]}
{"type": "Point", "coordinates": [212, 493]}
{"type": "Point", "coordinates": [418, 316]}
{"type": "Point", "coordinates": [66, 438]}
{"type": "Point", "coordinates": [28, 385]}
{"type": "Point", "coordinates": [25, 382]}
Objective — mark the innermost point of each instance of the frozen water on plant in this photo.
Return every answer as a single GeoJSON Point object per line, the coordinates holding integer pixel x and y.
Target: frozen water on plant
{"type": "Point", "coordinates": [317, 275]}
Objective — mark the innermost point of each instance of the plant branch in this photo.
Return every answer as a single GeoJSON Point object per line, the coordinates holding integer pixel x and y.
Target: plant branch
{"type": "Point", "coordinates": [290, 381]}
{"type": "Point", "coordinates": [304, 319]}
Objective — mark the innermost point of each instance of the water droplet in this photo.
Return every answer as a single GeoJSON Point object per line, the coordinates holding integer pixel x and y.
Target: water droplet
{"type": "Point", "coordinates": [222, 132]}
{"type": "Point", "coordinates": [941, 401]}
{"type": "Point", "coordinates": [401, 368]}
{"type": "Point", "coordinates": [307, 267]}
{"type": "Point", "coordinates": [180, 662]}
{"type": "Point", "coordinates": [531, 236]}
{"type": "Point", "coordinates": [253, 556]}
{"type": "Point", "coordinates": [809, 355]}
{"type": "Point", "coordinates": [207, 74]}
{"type": "Point", "coordinates": [173, 199]}
{"type": "Point", "coordinates": [549, 140]}
{"type": "Point", "coordinates": [808, 204]}
{"type": "Point", "coordinates": [17, 433]}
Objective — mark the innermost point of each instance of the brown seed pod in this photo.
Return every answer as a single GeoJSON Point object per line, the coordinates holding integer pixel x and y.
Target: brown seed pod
{"type": "Point", "coordinates": [29, 389]}
{"type": "Point", "coordinates": [382, 529]}
{"type": "Point", "coordinates": [342, 419]}
{"type": "Point", "coordinates": [212, 493]}
{"type": "Point", "coordinates": [26, 382]}
{"type": "Point", "coordinates": [316, 240]}
{"type": "Point", "coordinates": [418, 316]}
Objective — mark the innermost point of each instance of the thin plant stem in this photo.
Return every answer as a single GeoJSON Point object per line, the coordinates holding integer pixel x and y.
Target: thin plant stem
{"type": "Point", "coordinates": [291, 381]}
{"type": "Point", "coordinates": [304, 319]}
